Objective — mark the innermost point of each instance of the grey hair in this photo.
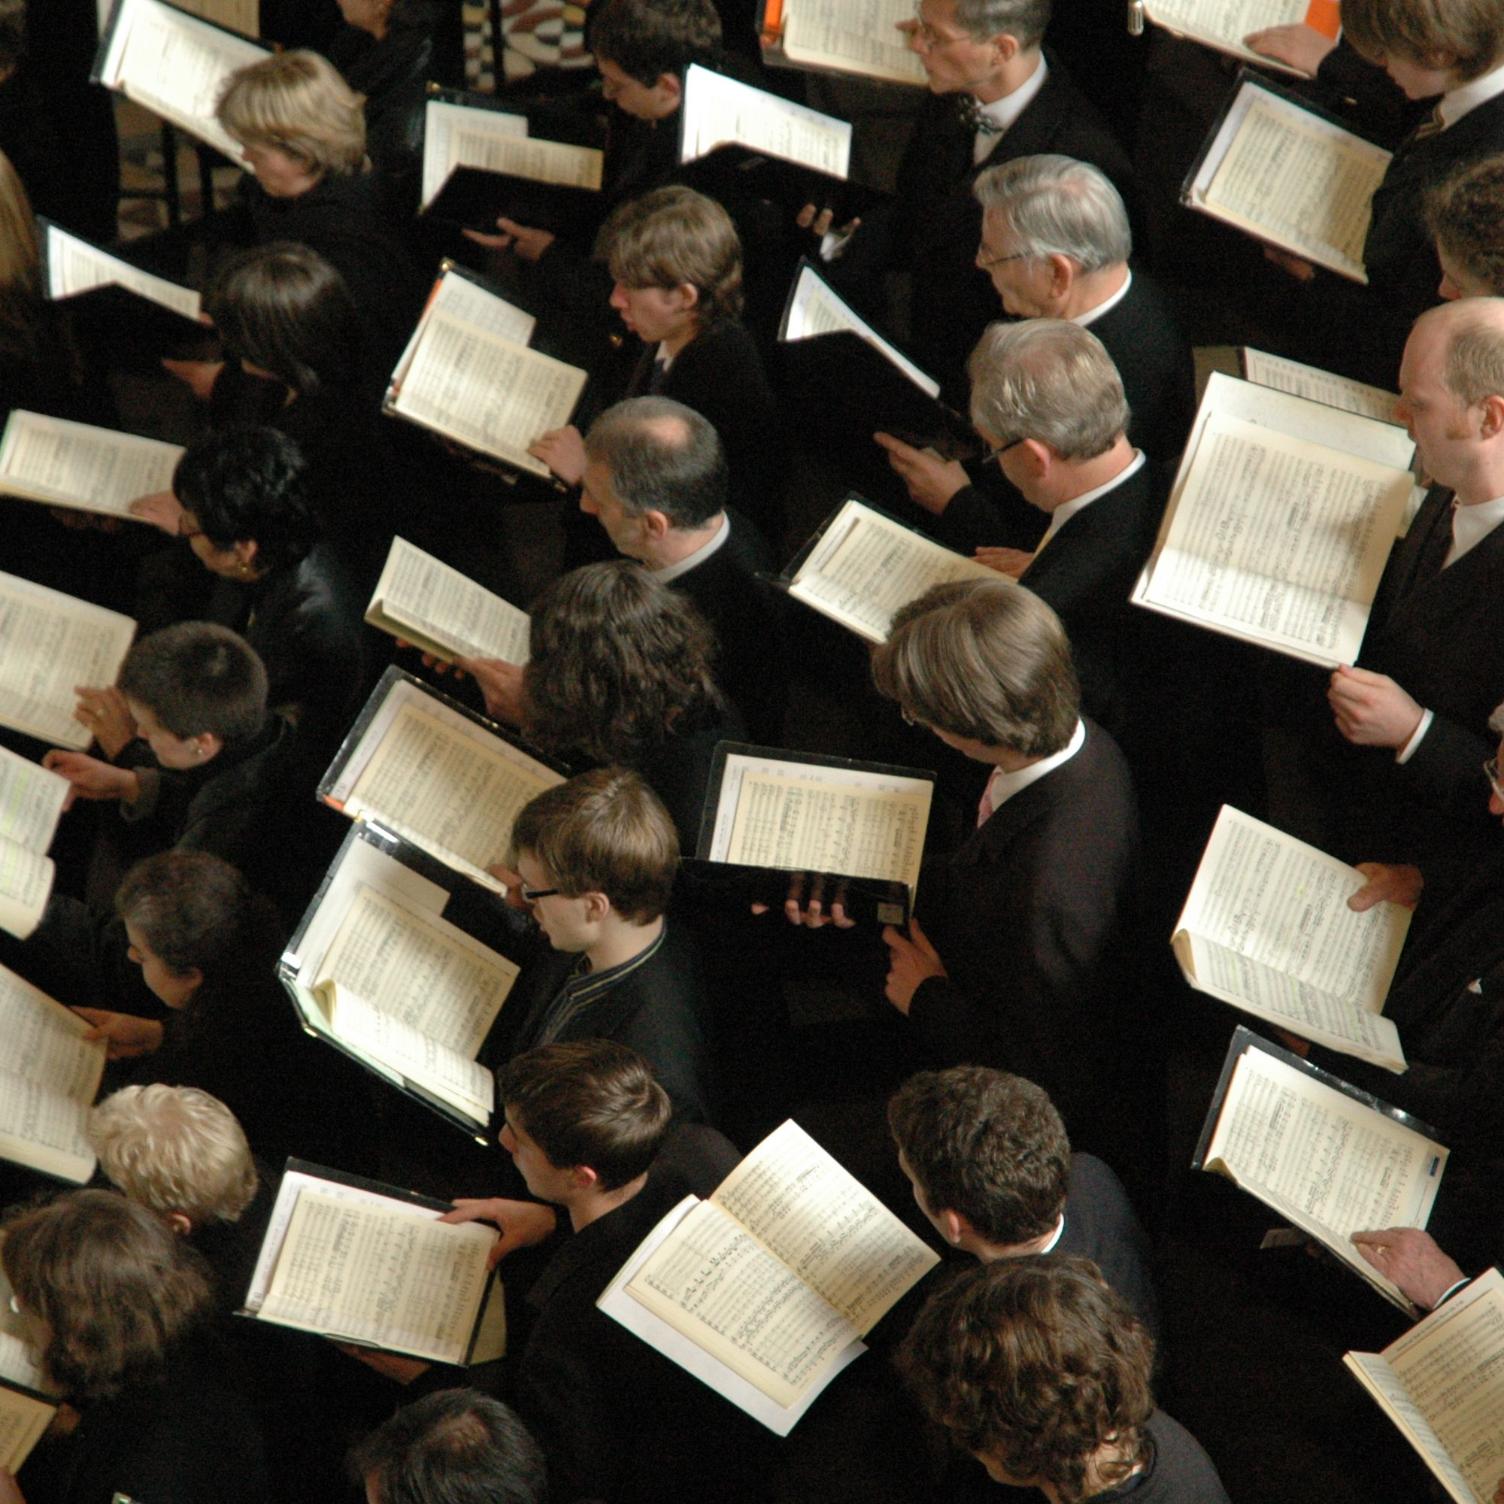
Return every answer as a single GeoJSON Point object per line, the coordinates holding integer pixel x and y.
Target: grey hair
{"type": "Point", "coordinates": [1051, 380]}
{"type": "Point", "coordinates": [662, 457]}
{"type": "Point", "coordinates": [1024, 20]}
{"type": "Point", "coordinates": [1057, 206]}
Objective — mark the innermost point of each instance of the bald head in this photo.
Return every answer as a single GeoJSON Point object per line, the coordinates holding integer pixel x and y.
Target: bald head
{"type": "Point", "coordinates": [660, 456]}
{"type": "Point", "coordinates": [1470, 332]}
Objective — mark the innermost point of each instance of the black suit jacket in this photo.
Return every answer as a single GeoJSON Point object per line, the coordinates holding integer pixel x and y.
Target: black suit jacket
{"type": "Point", "coordinates": [938, 224]}
{"type": "Point", "coordinates": [1031, 917]}
{"type": "Point", "coordinates": [1101, 1225]}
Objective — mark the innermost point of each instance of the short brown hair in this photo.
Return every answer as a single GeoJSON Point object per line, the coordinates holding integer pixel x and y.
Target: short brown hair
{"type": "Point", "coordinates": [198, 678]}
{"type": "Point", "coordinates": [605, 832]}
{"type": "Point", "coordinates": [1466, 36]}
{"type": "Point", "coordinates": [588, 1102]}
{"type": "Point", "coordinates": [648, 38]}
{"type": "Point", "coordinates": [1037, 1365]}
{"type": "Point", "coordinates": [1466, 215]}
{"type": "Point", "coordinates": [298, 103]}
{"type": "Point", "coordinates": [110, 1283]}
{"type": "Point", "coordinates": [983, 659]}
{"type": "Point", "coordinates": [671, 236]}
{"type": "Point", "coordinates": [987, 1145]}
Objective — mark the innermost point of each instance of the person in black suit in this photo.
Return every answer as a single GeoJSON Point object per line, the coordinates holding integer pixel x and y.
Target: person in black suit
{"type": "Point", "coordinates": [595, 860]}
{"type": "Point", "coordinates": [1432, 665]}
{"type": "Point", "coordinates": [1057, 244]}
{"type": "Point", "coordinates": [1030, 964]}
{"type": "Point", "coordinates": [655, 479]}
{"type": "Point", "coordinates": [992, 1170]}
{"type": "Point", "coordinates": [997, 97]}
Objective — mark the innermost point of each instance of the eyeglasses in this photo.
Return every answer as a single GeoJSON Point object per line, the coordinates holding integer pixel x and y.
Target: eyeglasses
{"type": "Point", "coordinates": [1491, 772]}
{"type": "Point", "coordinates": [532, 895]}
{"type": "Point", "coordinates": [987, 264]}
{"type": "Point", "coordinates": [1002, 448]}
{"type": "Point", "coordinates": [928, 37]}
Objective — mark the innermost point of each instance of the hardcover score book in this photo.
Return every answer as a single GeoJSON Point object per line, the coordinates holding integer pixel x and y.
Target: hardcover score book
{"type": "Point", "coordinates": [425, 602]}
{"type": "Point", "coordinates": [174, 64]}
{"type": "Point", "coordinates": [765, 1291]}
{"type": "Point", "coordinates": [26, 1403]}
{"type": "Point", "coordinates": [73, 268]}
{"type": "Point", "coordinates": [1279, 522]}
{"type": "Point", "coordinates": [48, 1080]}
{"type": "Point", "coordinates": [467, 374]}
{"type": "Point", "coordinates": [50, 642]}
{"type": "Point", "coordinates": [1222, 24]}
{"type": "Point", "coordinates": [1266, 927]}
{"type": "Point", "coordinates": [1277, 169]}
{"type": "Point", "coordinates": [1330, 1159]}
{"type": "Point", "coordinates": [1442, 1384]}
{"type": "Point", "coordinates": [80, 467]}
{"type": "Point", "coordinates": [364, 1263]}
{"type": "Point", "coordinates": [377, 969]}
{"type": "Point", "coordinates": [862, 567]}
{"type": "Point", "coordinates": [437, 774]}
{"type": "Point", "coordinates": [779, 824]}
{"type": "Point", "coordinates": [1286, 375]}
{"type": "Point", "coordinates": [842, 36]}
{"type": "Point", "coordinates": [31, 803]}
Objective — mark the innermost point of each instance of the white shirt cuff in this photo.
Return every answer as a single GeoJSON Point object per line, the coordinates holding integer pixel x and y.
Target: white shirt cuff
{"type": "Point", "coordinates": [1417, 736]}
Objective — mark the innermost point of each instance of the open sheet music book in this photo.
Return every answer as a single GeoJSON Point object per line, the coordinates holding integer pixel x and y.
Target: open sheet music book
{"type": "Point", "coordinates": [464, 135]}
{"type": "Point", "coordinates": [49, 643]}
{"type": "Point", "coordinates": [1222, 24]}
{"type": "Point", "coordinates": [1442, 1384]}
{"type": "Point", "coordinates": [361, 1262]}
{"type": "Point", "coordinates": [26, 1402]}
{"type": "Point", "coordinates": [1330, 1159]}
{"type": "Point", "coordinates": [862, 567]}
{"type": "Point", "coordinates": [854, 831]}
{"type": "Point", "coordinates": [1280, 522]}
{"type": "Point", "coordinates": [765, 1291]}
{"type": "Point", "coordinates": [1266, 927]}
{"type": "Point", "coordinates": [841, 36]}
{"type": "Point", "coordinates": [31, 803]}
{"type": "Point", "coordinates": [468, 374]}
{"type": "Point", "coordinates": [48, 1080]}
{"type": "Point", "coordinates": [425, 602]}
{"type": "Point", "coordinates": [720, 111]}
{"type": "Point", "coordinates": [438, 774]}
{"type": "Point", "coordinates": [83, 468]}
{"type": "Point", "coordinates": [1276, 168]}
{"type": "Point", "coordinates": [376, 969]}
{"type": "Point", "coordinates": [72, 267]}
{"type": "Point", "coordinates": [174, 64]}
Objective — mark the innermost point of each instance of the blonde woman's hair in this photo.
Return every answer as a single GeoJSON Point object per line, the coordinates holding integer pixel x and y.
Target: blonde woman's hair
{"type": "Point", "coordinates": [298, 103]}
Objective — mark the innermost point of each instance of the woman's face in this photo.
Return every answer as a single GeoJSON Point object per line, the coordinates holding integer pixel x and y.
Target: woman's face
{"type": "Point", "coordinates": [228, 562]}
{"type": "Point", "coordinates": [280, 174]}
{"type": "Point", "coordinates": [172, 988]}
{"type": "Point", "coordinates": [171, 751]}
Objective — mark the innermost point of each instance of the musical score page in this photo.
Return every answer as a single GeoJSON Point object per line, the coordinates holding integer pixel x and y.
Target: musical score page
{"type": "Point", "coordinates": [25, 886]}
{"type": "Point", "coordinates": [853, 36]}
{"type": "Point", "coordinates": [31, 801]}
{"type": "Point", "coordinates": [1319, 386]}
{"type": "Point", "coordinates": [44, 1040]}
{"type": "Point", "coordinates": [74, 266]}
{"type": "Point", "coordinates": [80, 466]}
{"type": "Point", "coordinates": [720, 111]}
{"type": "Point", "coordinates": [816, 308]}
{"type": "Point", "coordinates": [45, 1128]}
{"type": "Point", "coordinates": [456, 135]}
{"type": "Point", "coordinates": [1223, 24]}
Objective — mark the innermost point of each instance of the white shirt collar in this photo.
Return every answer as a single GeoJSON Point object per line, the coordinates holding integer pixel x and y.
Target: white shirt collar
{"type": "Point", "coordinates": [1002, 786]}
{"type": "Point", "coordinates": [1471, 525]}
{"type": "Point", "coordinates": [698, 557]}
{"type": "Point", "coordinates": [1055, 1236]}
{"type": "Point", "coordinates": [1004, 112]}
{"type": "Point", "coordinates": [1456, 103]}
{"type": "Point", "coordinates": [1063, 514]}
{"type": "Point", "coordinates": [1111, 301]}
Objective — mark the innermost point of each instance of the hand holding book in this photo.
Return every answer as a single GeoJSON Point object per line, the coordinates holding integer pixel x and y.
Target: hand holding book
{"type": "Point", "coordinates": [1300, 47]}
{"type": "Point", "coordinates": [1411, 1260]}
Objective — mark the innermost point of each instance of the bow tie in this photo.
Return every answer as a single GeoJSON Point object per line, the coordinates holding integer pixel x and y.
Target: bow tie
{"type": "Point", "coordinates": [971, 115]}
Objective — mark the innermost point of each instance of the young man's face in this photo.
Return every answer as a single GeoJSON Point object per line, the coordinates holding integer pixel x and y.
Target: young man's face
{"type": "Point", "coordinates": [641, 101]}
{"type": "Point", "coordinates": [1419, 80]}
{"type": "Point", "coordinates": [542, 1177]}
{"type": "Point", "coordinates": [564, 920]}
{"type": "Point", "coordinates": [171, 751]}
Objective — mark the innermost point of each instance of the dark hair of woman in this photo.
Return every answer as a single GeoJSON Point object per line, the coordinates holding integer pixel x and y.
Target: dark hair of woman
{"type": "Point", "coordinates": [285, 309]}
{"type": "Point", "coordinates": [110, 1287]}
{"type": "Point", "coordinates": [249, 485]}
{"type": "Point", "coordinates": [618, 664]}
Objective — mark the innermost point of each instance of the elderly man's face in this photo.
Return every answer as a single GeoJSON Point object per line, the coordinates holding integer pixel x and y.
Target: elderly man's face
{"type": "Point", "coordinates": [1023, 283]}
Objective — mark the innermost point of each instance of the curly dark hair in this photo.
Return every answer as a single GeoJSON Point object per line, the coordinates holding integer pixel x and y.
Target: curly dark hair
{"type": "Point", "coordinates": [618, 665]}
{"type": "Point", "coordinates": [1035, 1366]}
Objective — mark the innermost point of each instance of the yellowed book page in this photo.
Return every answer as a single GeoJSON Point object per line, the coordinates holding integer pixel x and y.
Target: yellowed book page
{"type": "Point", "coordinates": [1296, 180]}
{"type": "Point", "coordinates": [852, 36]}
{"type": "Point", "coordinates": [816, 308]}
{"type": "Point", "coordinates": [19, 1360]}
{"type": "Point", "coordinates": [49, 643]}
{"type": "Point", "coordinates": [25, 886]}
{"type": "Point", "coordinates": [243, 16]}
{"type": "Point", "coordinates": [44, 1041]}
{"type": "Point", "coordinates": [430, 604]}
{"type": "Point", "coordinates": [712, 1280]}
{"type": "Point", "coordinates": [1223, 24]}
{"type": "Point", "coordinates": [23, 1421]}
{"type": "Point", "coordinates": [74, 266]}
{"type": "Point", "coordinates": [488, 393]}
{"type": "Point", "coordinates": [45, 1128]}
{"type": "Point", "coordinates": [825, 1225]}
{"type": "Point", "coordinates": [420, 1058]}
{"type": "Point", "coordinates": [774, 813]}
{"type": "Point", "coordinates": [1320, 386]}
{"type": "Point", "coordinates": [1276, 541]}
{"type": "Point", "coordinates": [523, 156]}
{"type": "Point", "coordinates": [456, 135]}
{"type": "Point", "coordinates": [79, 466]}
{"type": "Point", "coordinates": [422, 970]}
{"type": "Point", "coordinates": [31, 801]}
{"type": "Point", "coordinates": [445, 789]}
{"type": "Point", "coordinates": [866, 568]}
{"type": "Point", "coordinates": [720, 111]}
{"type": "Point", "coordinates": [1331, 1165]}
{"type": "Point", "coordinates": [392, 1276]}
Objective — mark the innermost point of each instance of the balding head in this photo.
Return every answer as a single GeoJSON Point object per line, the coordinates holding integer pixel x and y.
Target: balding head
{"type": "Point", "coordinates": [660, 456]}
